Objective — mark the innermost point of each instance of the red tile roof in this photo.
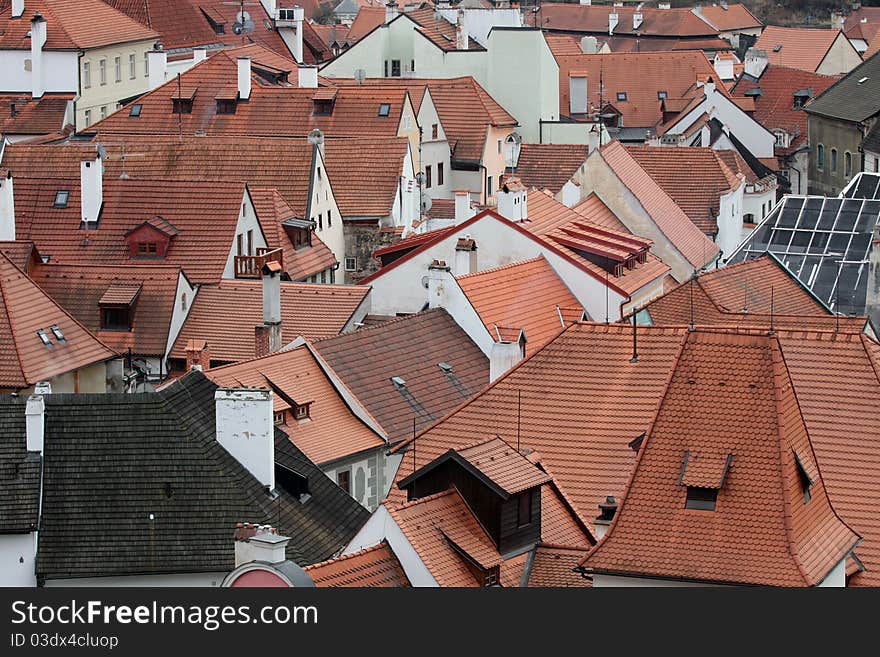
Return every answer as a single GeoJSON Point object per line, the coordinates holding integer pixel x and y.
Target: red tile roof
{"type": "Point", "coordinates": [179, 24]}
{"type": "Point", "coordinates": [225, 315]}
{"type": "Point", "coordinates": [332, 432]}
{"type": "Point", "coordinates": [365, 173]}
{"type": "Point", "coordinates": [526, 295]}
{"type": "Point", "coordinates": [24, 310]}
{"type": "Point", "coordinates": [728, 17]}
{"type": "Point", "coordinates": [22, 253]}
{"type": "Point", "coordinates": [549, 166]}
{"type": "Point", "coordinates": [79, 288]}
{"type": "Point", "coordinates": [372, 567]}
{"type": "Point", "coordinates": [205, 214]}
{"type": "Point", "coordinates": [438, 31]}
{"type": "Point", "coordinates": [596, 212]}
{"type": "Point", "coordinates": [681, 232]}
{"type": "Point", "coordinates": [332, 33]}
{"type": "Point", "coordinates": [507, 469]}
{"type": "Point", "coordinates": [72, 25]}
{"type": "Point", "coordinates": [676, 73]}
{"type": "Point", "coordinates": [31, 116]}
{"type": "Point", "coordinates": [802, 48]}
{"type": "Point", "coordinates": [679, 22]}
{"type": "Point", "coordinates": [774, 108]}
{"type": "Point", "coordinates": [410, 348]}
{"type": "Point", "coordinates": [367, 20]}
{"type": "Point", "coordinates": [553, 566]}
{"type": "Point", "coordinates": [750, 433]}
{"type": "Point", "coordinates": [694, 177]}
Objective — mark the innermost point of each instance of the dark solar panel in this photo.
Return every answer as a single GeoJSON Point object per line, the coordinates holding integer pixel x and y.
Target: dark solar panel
{"type": "Point", "coordinates": [864, 185]}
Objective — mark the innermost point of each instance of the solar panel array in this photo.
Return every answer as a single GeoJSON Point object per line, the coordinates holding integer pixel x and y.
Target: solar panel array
{"type": "Point", "coordinates": [864, 185]}
{"type": "Point", "coordinates": [824, 242]}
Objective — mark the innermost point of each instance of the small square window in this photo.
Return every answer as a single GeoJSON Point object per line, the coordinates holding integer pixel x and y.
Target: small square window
{"type": "Point", "coordinates": [135, 111]}
{"type": "Point", "coordinates": [661, 95]}
{"type": "Point", "coordinates": [61, 197]}
{"type": "Point", "coordinates": [350, 264]}
{"type": "Point", "coordinates": [279, 417]}
{"type": "Point", "coordinates": [621, 95]}
{"type": "Point", "coordinates": [301, 412]}
{"type": "Point", "coordinates": [344, 480]}
{"type": "Point", "coordinates": [384, 109]}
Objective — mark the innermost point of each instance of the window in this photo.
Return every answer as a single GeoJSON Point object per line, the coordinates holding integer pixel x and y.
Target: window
{"type": "Point", "coordinates": [147, 249]}
{"type": "Point", "coordinates": [61, 197]}
{"type": "Point", "coordinates": [250, 242]}
{"type": "Point", "coordinates": [702, 499]}
{"type": "Point", "coordinates": [87, 75]}
{"type": "Point", "coordinates": [183, 302]}
{"type": "Point", "coordinates": [103, 111]}
{"type": "Point", "coordinates": [115, 319]}
{"type": "Point", "coordinates": [524, 510]}
{"type": "Point", "coordinates": [661, 95]}
{"type": "Point", "coordinates": [439, 173]}
{"type": "Point", "coordinates": [621, 95]}
{"type": "Point", "coordinates": [395, 68]}
{"type": "Point", "coordinates": [489, 186]}
{"type": "Point", "coordinates": [351, 264]}
{"type": "Point", "coordinates": [384, 109]}
{"type": "Point", "coordinates": [847, 164]}
{"type": "Point", "coordinates": [117, 63]}
{"type": "Point", "coordinates": [56, 331]}
{"type": "Point", "coordinates": [301, 411]}
{"type": "Point", "coordinates": [833, 160]}
{"type": "Point", "coordinates": [344, 480]}
{"type": "Point", "coordinates": [319, 173]}
{"type": "Point", "coordinates": [279, 417]}
{"type": "Point", "coordinates": [386, 68]}
{"type": "Point", "coordinates": [490, 577]}
{"type": "Point", "coordinates": [433, 131]}
{"type": "Point", "coordinates": [224, 106]}
{"type": "Point", "coordinates": [146, 66]}
{"type": "Point", "coordinates": [820, 157]}
{"type": "Point", "coordinates": [428, 177]}
{"type": "Point", "coordinates": [88, 117]}
{"type": "Point", "coordinates": [132, 66]}
{"type": "Point", "coordinates": [102, 71]}
{"type": "Point", "coordinates": [320, 221]}
{"type": "Point", "coordinates": [44, 337]}
{"type": "Point", "coordinates": [323, 276]}
{"type": "Point", "coordinates": [329, 220]}
{"type": "Point", "coordinates": [749, 219]}
{"type": "Point", "coordinates": [499, 147]}
{"type": "Point", "coordinates": [412, 65]}
{"type": "Point", "coordinates": [183, 106]}
{"type": "Point", "coordinates": [239, 244]}
{"type": "Point", "coordinates": [805, 479]}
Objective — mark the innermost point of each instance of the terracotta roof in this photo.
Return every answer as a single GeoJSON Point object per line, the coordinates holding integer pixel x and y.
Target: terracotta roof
{"type": "Point", "coordinates": [205, 213]}
{"type": "Point", "coordinates": [802, 48]}
{"type": "Point", "coordinates": [25, 310]}
{"type": "Point", "coordinates": [273, 110]}
{"type": "Point", "coordinates": [31, 116]}
{"type": "Point", "coordinates": [526, 295]}
{"type": "Point", "coordinates": [757, 293]}
{"type": "Point", "coordinates": [179, 24]}
{"type": "Point", "coordinates": [774, 108]}
{"type": "Point", "coordinates": [272, 209]}
{"type": "Point", "coordinates": [729, 16]}
{"type": "Point", "coordinates": [72, 25]}
{"type": "Point", "coordinates": [22, 253]}
{"type": "Point", "coordinates": [332, 33]}
{"type": "Point", "coordinates": [681, 232]}
{"type": "Point", "coordinates": [656, 22]}
{"type": "Point", "coordinates": [873, 48]}
{"type": "Point", "coordinates": [563, 44]}
{"type": "Point", "coordinates": [332, 431]}
{"type": "Point", "coordinates": [553, 566]}
{"type": "Point", "coordinates": [676, 73]}
{"type": "Point", "coordinates": [367, 20]}
{"type": "Point", "coordinates": [858, 19]}
{"type": "Point", "coordinates": [81, 288]}
{"type": "Point", "coordinates": [410, 348]}
{"type": "Point", "coordinates": [762, 530]}
{"type": "Point", "coordinates": [630, 43]}
{"type": "Point", "coordinates": [365, 173]}
{"type": "Point", "coordinates": [549, 166]}
{"type": "Point", "coordinates": [438, 31]}
{"type": "Point", "coordinates": [694, 177]}
{"type": "Point", "coordinates": [372, 567]}
{"type": "Point", "coordinates": [596, 212]}
{"type": "Point", "coordinates": [307, 310]}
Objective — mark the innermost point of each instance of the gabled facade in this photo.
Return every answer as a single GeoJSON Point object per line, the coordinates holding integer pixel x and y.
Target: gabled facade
{"type": "Point", "coordinates": [823, 51]}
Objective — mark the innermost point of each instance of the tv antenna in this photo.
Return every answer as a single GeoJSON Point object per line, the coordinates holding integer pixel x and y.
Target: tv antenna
{"type": "Point", "coordinates": [360, 75]}
{"type": "Point", "coordinates": [243, 24]}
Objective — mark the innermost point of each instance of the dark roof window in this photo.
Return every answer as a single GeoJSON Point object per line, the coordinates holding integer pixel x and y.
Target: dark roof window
{"type": "Point", "coordinates": [805, 478]}
{"type": "Point", "coordinates": [61, 197]}
{"type": "Point", "coordinates": [621, 95]}
{"type": "Point", "coordinates": [44, 337]}
{"type": "Point", "coordinates": [384, 109]}
{"type": "Point", "coordinates": [702, 499]}
{"type": "Point", "coordinates": [135, 110]}
{"type": "Point", "coordinates": [661, 95]}
{"type": "Point", "coordinates": [56, 331]}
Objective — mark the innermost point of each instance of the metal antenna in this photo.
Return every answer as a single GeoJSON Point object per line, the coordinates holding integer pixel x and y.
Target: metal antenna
{"type": "Point", "coordinates": [606, 289]}
{"type": "Point", "coordinates": [518, 416]}
{"type": "Point", "coordinates": [414, 443]}
{"type": "Point", "coordinates": [693, 280]}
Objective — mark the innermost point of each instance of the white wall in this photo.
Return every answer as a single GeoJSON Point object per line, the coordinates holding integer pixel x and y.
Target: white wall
{"type": "Point", "coordinates": [841, 57]}
{"type": "Point", "coordinates": [60, 71]}
{"type": "Point", "coordinates": [478, 21]}
{"type": "Point", "coordinates": [872, 162]}
{"type": "Point", "coordinates": [183, 301]}
{"type": "Point", "coordinates": [445, 292]}
{"type": "Point", "coordinates": [17, 559]}
{"type": "Point", "coordinates": [247, 220]}
{"type": "Point", "coordinates": [837, 576]}
{"type": "Point", "coordinates": [730, 221]}
{"type": "Point", "coordinates": [323, 201]}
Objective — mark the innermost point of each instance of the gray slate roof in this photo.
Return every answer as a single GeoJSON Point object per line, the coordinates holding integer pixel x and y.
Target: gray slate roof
{"type": "Point", "coordinates": [871, 142]}
{"type": "Point", "coordinates": [19, 471]}
{"type": "Point", "coordinates": [112, 460]}
{"type": "Point", "coordinates": [848, 100]}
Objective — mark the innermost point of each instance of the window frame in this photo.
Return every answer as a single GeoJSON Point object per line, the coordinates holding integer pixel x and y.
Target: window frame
{"type": "Point", "coordinates": [344, 475]}
{"type": "Point", "coordinates": [701, 499]}
{"type": "Point", "coordinates": [102, 72]}
{"type": "Point", "coordinates": [132, 66]}
{"type": "Point", "coordinates": [117, 65]}
{"type": "Point", "coordinates": [524, 509]}
{"type": "Point", "coordinates": [439, 174]}
{"type": "Point", "coordinates": [87, 74]}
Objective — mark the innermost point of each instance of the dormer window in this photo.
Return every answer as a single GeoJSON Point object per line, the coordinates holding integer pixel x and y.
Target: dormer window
{"type": "Point", "coordinates": [115, 319]}
{"type": "Point", "coordinates": [302, 411]}
{"type": "Point", "coordinates": [704, 475]}
{"type": "Point", "coordinates": [621, 96]}
{"type": "Point", "coordinates": [279, 417]}
{"type": "Point", "coordinates": [702, 499]}
{"type": "Point", "coordinates": [61, 198]}
{"type": "Point", "coordinates": [182, 101]}
{"type": "Point", "coordinates": [661, 95]}
{"type": "Point", "coordinates": [147, 249]}
{"type": "Point", "coordinates": [226, 106]}
{"type": "Point", "coordinates": [117, 305]}
{"type": "Point", "coordinates": [323, 107]}
{"type": "Point", "coordinates": [524, 509]}
{"type": "Point", "coordinates": [804, 477]}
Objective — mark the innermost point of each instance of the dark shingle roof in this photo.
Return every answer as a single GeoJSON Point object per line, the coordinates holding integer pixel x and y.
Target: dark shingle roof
{"type": "Point", "coordinates": [847, 99]}
{"type": "Point", "coordinates": [113, 460]}
{"type": "Point", "coordinates": [872, 140]}
{"type": "Point", "coordinates": [19, 471]}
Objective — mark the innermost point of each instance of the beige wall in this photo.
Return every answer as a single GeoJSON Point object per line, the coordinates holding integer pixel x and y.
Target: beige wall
{"type": "Point", "coordinates": [841, 58]}
{"type": "Point", "coordinates": [409, 128]}
{"type": "Point", "coordinates": [493, 160]}
{"type": "Point", "coordinates": [108, 95]}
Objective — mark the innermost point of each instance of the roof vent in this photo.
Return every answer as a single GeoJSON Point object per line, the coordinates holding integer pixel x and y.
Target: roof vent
{"type": "Point", "coordinates": [863, 80]}
{"type": "Point", "coordinates": [446, 367]}
{"type": "Point", "coordinates": [777, 47]}
{"type": "Point", "coordinates": [398, 382]}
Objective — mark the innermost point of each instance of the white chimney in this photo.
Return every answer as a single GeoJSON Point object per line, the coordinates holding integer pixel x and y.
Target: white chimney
{"type": "Point", "coordinates": [439, 275]}
{"type": "Point", "coordinates": [607, 509]}
{"type": "Point", "coordinates": [465, 256]}
{"type": "Point", "coordinates": [244, 78]}
{"type": "Point", "coordinates": [38, 40]}
{"type": "Point", "coordinates": [508, 350]}
{"type": "Point", "coordinates": [462, 39]}
{"type": "Point", "coordinates": [512, 202]}
{"type": "Point", "coordinates": [245, 428]}
{"type": "Point", "coordinates": [17, 8]}
{"type": "Point", "coordinates": [589, 45]}
{"type": "Point", "coordinates": [259, 543]}
{"type": "Point", "coordinates": [391, 10]}
{"type": "Point", "coordinates": [199, 55]}
{"type": "Point", "coordinates": [586, 2]}
{"type": "Point", "coordinates": [157, 64]}
{"type": "Point", "coordinates": [463, 210]}
{"type": "Point", "coordinates": [723, 67]}
{"type": "Point", "coordinates": [271, 7]}
{"type": "Point", "coordinates": [7, 209]}
{"type": "Point", "coordinates": [42, 388]}
{"type": "Point", "coordinates": [577, 93]}
{"type": "Point", "coordinates": [664, 5]}
{"type": "Point", "coordinates": [613, 19]}
{"type": "Point", "coordinates": [638, 19]}
{"type": "Point", "coordinates": [755, 62]}
{"type": "Point", "coordinates": [298, 17]}
{"type": "Point", "coordinates": [35, 423]}
{"type": "Point", "coordinates": [308, 77]}
{"type": "Point", "coordinates": [91, 189]}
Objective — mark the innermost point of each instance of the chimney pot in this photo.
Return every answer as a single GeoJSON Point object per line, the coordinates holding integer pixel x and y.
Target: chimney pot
{"type": "Point", "coordinates": [506, 352]}
{"type": "Point", "coordinates": [391, 11]}
{"type": "Point", "coordinates": [268, 336]}
{"type": "Point", "coordinates": [607, 510]}
{"type": "Point", "coordinates": [259, 543]}
{"type": "Point", "coordinates": [198, 357]}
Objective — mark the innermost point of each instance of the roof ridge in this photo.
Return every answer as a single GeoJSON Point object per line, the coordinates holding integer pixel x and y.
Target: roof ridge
{"type": "Point", "coordinates": [12, 331]}
{"type": "Point", "coordinates": [419, 500]}
{"type": "Point", "coordinates": [509, 265]}
{"type": "Point", "coordinates": [344, 557]}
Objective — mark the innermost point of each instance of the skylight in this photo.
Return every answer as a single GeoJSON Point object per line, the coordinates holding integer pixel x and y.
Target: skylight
{"type": "Point", "coordinates": [61, 197]}
{"type": "Point", "coordinates": [135, 111]}
{"type": "Point", "coordinates": [56, 331]}
{"type": "Point", "coordinates": [398, 381]}
{"type": "Point", "coordinates": [446, 367]}
{"type": "Point", "coordinates": [621, 95]}
{"type": "Point", "coordinates": [44, 338]}
{"type": "Point", "coordinates": [863, 80]}
{"type": "Point", "coordinates": [777, 47]}
{"type": "Point", "coordinates": [384, 109]}
{"type": "Point", "coordinates": [661, 95]}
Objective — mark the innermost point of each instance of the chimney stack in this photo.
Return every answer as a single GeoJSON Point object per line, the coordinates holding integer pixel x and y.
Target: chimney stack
{"type": "Point", "coordinates": [586, 2]}
{"type": "Point", "coordinates": [259, 543]}
{"type": "Point", "coordinates": [465, 256]}
{"type": "Point", "coordinates": [638, 19]}
{"type": "Point", "coordinates": [462, 39]}
{"type": "Point", "coordinates": [589, 45]}
{"type": "Point", "coordinates": [391, 11]}
{"type": "Point", "coordinates": [755, 62]}
{"type": "Point", "coordinates": [35, 423]}
{"type": "Point", "coordinates": [439, 274]}
{"type": "Point", "coordinates": [157, 64]}
{"type": "Point", "coordinates": [245, 428]}
{"type": "Point", "coordinates": [463, 210]}
{"type": "Point", "coordinates": [91, 189]}
{"type": "Point", "coordinates": [38, 40]}
{"type": "Point", "coordinates": [17, 8]}
{"type": "Point", "coordinates": [607, 510]}
{"type": "Point", "coordinates": [244, 78]}
{"type": "Point", "coordinates": [613, 19]}
{"type": "Point", "coordinates": [512, 200]}
{"type": "Point", "coordinates": [298, 17]}
{"type": "Point", "coordinates": [308, 77]}
{"type": "Point", "coordinates": [7, 209]}
{"type": "Point", "coordinates": [577, 92]}
{"type": "Point", "coordinates": [199, 55]}
{"type": "Point", "coordinates": [268, 335]}
{"type": "Point", "coordinates": [508, 350]}
{"type": "Point", "coordinates": [198, 357]}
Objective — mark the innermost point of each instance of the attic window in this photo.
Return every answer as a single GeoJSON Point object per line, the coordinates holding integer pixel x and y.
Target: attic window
{"type": "Point", "coordinates": [135, 111]}
{"type": "Point", "coordinates": [661, 95]}
{"type": "Point", "coordinates": [44, 337]}
{"type": "Point", "coordinates": [702, 499]}
{"type": "Point", "coordinates": [302, 412]}
{"type": "Point", "coordinates": [56, 331]}
{"type": "Point", "coordinates": [621, 95]}
{"type": "Point", "coordinates": [61, 197]}
{"type": "Point", "coordinates": [805, 479]}
{"type": "Point", "coordinates": [384, 109]}
{"type": "Point", "coordinates": [279, 417]}
{"type": "Point", "coordinates": [226, 105]}
{"type": "Point", "coordinates": [323, 106]}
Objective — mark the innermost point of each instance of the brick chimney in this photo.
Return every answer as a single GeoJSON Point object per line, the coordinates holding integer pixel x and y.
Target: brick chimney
{"type": "Point", "coordinates": [198, 357]}
{"type": "Point", "coordinates": [7, 208]}
{"type": "Point", "coordinates": [244, 78]}
{"type": "Point", "coordinates": [91, 189]}
{"type": "Point", "coordinates": [245, 428]}
{"type": "Point", "coordinates": [607, 509]}
{"type": "Point", "coordinates": [38, 40]}
{"type": "Point", "coordinates": [35, 423]}
{"type": "Point", "coordinates": [157, 65]}
{"type": "Point", "coordinates": [267, 336]}
{"type": "Point", "coordinates": [259, 543]}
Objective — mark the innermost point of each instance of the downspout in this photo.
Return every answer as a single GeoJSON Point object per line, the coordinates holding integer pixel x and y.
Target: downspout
{"type": "Point", "coordinates": [79, 87]}
{"type": "Point", "coordinates": [485, 181]}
